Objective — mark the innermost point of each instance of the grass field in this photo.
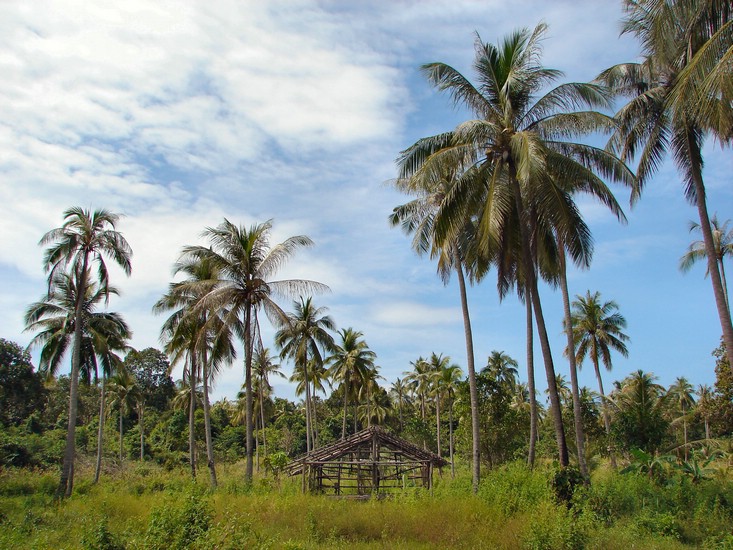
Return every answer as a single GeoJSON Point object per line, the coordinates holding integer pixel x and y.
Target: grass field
{"type": "Point", "coordinates": [144, 506]}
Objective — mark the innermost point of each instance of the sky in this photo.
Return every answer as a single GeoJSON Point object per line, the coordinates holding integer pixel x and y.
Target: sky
{"type": "Point", "coordinates": [180, 114]}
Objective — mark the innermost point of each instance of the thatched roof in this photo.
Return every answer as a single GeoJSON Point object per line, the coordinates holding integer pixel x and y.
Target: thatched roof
{"type": "Point", "coordinates": [384, 438]}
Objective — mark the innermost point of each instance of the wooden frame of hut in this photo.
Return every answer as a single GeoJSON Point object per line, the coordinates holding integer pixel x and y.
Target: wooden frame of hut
{"type": "Point", "coordinates": [372, 462]}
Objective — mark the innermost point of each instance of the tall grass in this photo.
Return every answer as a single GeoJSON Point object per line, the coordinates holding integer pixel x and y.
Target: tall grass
{"type": "Point", "coordinates": [145, 507]}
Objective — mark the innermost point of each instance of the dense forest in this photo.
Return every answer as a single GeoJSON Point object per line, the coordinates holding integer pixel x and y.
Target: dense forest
{"type": "Point", "coordinates": [493, 197]}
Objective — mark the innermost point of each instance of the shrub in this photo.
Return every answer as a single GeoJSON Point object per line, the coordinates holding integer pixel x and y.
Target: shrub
{"type": "Point", "coordinates": [179, 524]}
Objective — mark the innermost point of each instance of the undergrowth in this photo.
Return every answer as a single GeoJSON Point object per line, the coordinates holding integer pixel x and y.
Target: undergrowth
{"type": "Point", "coordinates": [147, 507]}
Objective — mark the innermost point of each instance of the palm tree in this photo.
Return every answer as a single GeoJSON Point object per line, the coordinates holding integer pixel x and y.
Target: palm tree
{"type": "Point", "coordinates": [723, 241]}
{"type": "Point", "coordinates": [124, 391]}
{"type": "Point", "coordinates": [418, 217]}
{"type": "Point", "coordinates": [399, 393]}
{"type": "Point", "coordinates": [502, 368]}
{"type": "Point", "coordinates": [681, 394]}
{"type": "Point", "coordinates": [349, 363]}
{"type": "Point", "coordinates": [302, 338]}
{"type": "Point", "coordinates": [105, 334]}
{"type": "Point", "coordinates": [420, 381]}
{"type": "Point", "coordinates": [198, 334]}
{"type": "Point", "coordinates": [83, 241]}
{"type": "Point", "coordinates": [514, 151]}
{"type": "Point", "coordinates": [704, 404]}
{"type": "Point", "coordinates": [597, 329]}
{"type": "Point", "coordinates": [664, 109]}
{"type": "Point", "coordinates": [246, 264]}
{"type": "Point", "coordinates": [640, 404]}
{"type": "Point", "coordinates": [447, 381]}
{"type": "Point", "coordinates": [263, 366]}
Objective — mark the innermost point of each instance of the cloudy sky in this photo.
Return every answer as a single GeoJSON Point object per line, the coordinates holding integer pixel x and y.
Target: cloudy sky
{"type": "Point", "coordinates": [178, 114]}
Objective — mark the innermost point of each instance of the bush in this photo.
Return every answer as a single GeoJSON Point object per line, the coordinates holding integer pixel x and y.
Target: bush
{"type": "Point", "coordinates": [179, 524]}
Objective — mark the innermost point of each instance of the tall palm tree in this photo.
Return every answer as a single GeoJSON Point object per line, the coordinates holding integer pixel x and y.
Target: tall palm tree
{"type": "Point", "coordinates": [399, 393]}
{"type": "Point", "coordinates": [642, 402]}
{"type": "Point", "coordinates": [598, 329]}
{"type": "Point", "coordinates": [660, 116]}
{"type": "Point", "coordinates": [681, 394]}
{"type": "Point", "coordinates": [502, 368]}
{"type": "Point", "coordinates": [420, 380]}
{"type": "Point", "coordinates": [264, 366]}
{"type": "Point", "coordinates": [246, 263]}
{"type": "Point", "coordinates": [515, 148]}
{"type": "Point", "coordinates": [302, 338]}
{"type": "Point", "coordinates": [723, 241]}
{"type": "Point", "coordinates": [447, 382]}
{"type": "Point", "coordinates": [81, 243]}
{"type": "Point", "coordinates": [417, 217]}
{"type": "Point", "coordinates": [349, 363]}
{"type": "Point", "coordinates": [704, 404]}
{"type": "Point", "coordinates": [105, 334]}
{"type": "Point", "coordinates": [198, 334]}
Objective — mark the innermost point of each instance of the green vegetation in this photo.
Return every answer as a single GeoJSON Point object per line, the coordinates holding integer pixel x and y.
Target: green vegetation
{"type": "Point", "coordinates": [145, 506]}
{"type": "Point", "coordinates": [642, 465]}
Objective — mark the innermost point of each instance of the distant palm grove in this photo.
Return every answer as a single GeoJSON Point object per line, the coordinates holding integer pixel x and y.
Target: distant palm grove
{"type": "Point", "coordinates": [493, 199]}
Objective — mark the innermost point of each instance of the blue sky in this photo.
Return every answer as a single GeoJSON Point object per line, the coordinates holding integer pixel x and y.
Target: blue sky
{"type": "Point", "coordinates": [180, 114]}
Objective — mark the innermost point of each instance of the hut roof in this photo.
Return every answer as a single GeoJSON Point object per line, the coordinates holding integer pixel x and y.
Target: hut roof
{"type": "Point", "coordinates": [340, 448]}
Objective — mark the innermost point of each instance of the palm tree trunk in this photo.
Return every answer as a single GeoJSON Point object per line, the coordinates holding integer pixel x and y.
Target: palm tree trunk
{"type": "Point", "coordinates": [66, 483]}
{"type": "Point", "coordinates": [192, 415]}
{"type": "Point", "coordinates": [100, 431]}
{"type": "Point", "coordinates": [346, 402]}
{"type": "Point", "coordinates": [604, 408]}
{"type": "Point", "coordinates": [577, 412]}
{"type": "Point", "coordinates": [262, 419]}
{"type": "Point", "coordinates": [530, 383]}
{"type": "Point", "coordinates": [207, 424]}
{"type": "Point", "coordinates": [528, 264]}
{"type": "Point", "coordinates": [450, 440]}
{"type": "Point", "coordinates": [695, 157]}
{"type": "Point", "coordinates": [470, 363]}
{"type": "Point", "coordinates": [141, 423]}
{"type": "Point", "coordinates": [120, 434]}
{"type": "Point", "coordinates": [437, 421]}
{"type": "Point", "coordinates": [249, 416]}
{"type": "Point", "coordinates": [684, 429]}
{"type": "Point", "coordinates": [724, 282]}
{"type": "Point", "coordinates": [308, 438]}
{"type": "Point", "coordinates": [314, 419]}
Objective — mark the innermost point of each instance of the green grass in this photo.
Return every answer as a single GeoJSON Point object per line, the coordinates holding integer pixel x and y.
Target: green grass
{"type": "Point", "coordinates": [147, 507]}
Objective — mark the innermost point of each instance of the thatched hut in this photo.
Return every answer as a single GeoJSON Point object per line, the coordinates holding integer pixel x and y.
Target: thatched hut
{"type": "Point", "coordinates": [372, 462]}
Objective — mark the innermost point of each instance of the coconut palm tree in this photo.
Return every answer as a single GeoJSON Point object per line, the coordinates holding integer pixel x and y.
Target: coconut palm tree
{"type": "Point", "coordinates": [723, 242]}
{"type": "Point", "coordinates": [105, 334]}
{"type": "Point", "coordinates": [417, 217]}
{"type": "Point", "coordinates": [681, 394]}
{"type": "Point", "coordinates": [399, 394]}
{"type": "Point", "coordinates": [80, 244]}
{"type": "Point", "coordinates": [640, 404]}
{"type": "Point", "coordinates": [302, 338]}
{"type": "Point", "coordinates": [349, 363]}
{"type": "Point", "coordinates": [198, 335]}
{"type": "Point", "coordinates": [447, 383]}
{"type": "Point", "coordinates": [598, 329]}
{"type": "Point", "coordinates": [514, 150]}
{"type": "Point", "coordinates": [704, 404]}
{"type": "Point", "coordinates": [264, 366]}
{"type": "Point", "coordinates": [420, 381]}
{"type": "Point", "coordinates": [664, 109]}
{"type": "Point", "coordinates": [502, 368]}
{"type": "Point", "coordinates": [246, 263]}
